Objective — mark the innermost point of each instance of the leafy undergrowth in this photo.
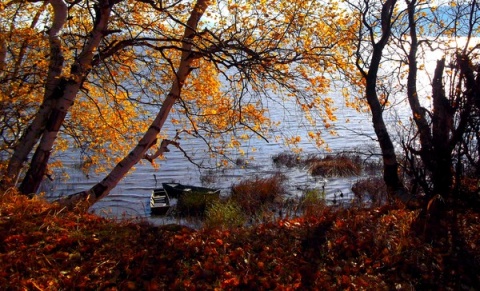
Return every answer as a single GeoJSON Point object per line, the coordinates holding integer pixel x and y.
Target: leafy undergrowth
{"type": "Point", "coordinates": [46, 248]}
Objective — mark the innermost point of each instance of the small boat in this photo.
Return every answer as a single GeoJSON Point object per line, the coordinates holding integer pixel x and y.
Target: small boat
{"type": "Point", "coordinates": [192, 200]}
{"type": "Point", "coordinates": [159, 202]}
{"type": "Point", "coordinates": [175, 190]}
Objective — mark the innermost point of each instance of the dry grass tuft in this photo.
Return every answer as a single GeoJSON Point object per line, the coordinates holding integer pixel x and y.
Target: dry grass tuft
{"type": "Point", "coordinates": [336, 166]}
{"type": "Point", "coordinates": [289, 160]}
{"type": "Point", "coordinates": [224, 214]}
{"type": "Point", "coordinates": [254, 194]}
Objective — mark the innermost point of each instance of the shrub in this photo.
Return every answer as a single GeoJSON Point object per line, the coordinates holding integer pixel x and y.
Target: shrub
{"type": "Point", "coordinates": [195, 203]}
{"type": "Point", "coordinates": [224, 214]}
{"type": "Point", "coordinates": [373, 166]}
{"type": "Point", "coordinates": [371, 189]}
{"type": "Point", "coordinates": [253, 194]}
{"type": "Point", "coordinates": [312, 201]}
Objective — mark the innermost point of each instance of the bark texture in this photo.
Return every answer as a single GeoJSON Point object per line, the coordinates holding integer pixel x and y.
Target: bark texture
{"type": "Point", "coordinates": [66, 91]}
{"type": "Point", "coordinates": [390, 164]}
{"type": "Point", "coordinates": [100, 190]}
{"type": "Point", "coordinates": [34, 130]}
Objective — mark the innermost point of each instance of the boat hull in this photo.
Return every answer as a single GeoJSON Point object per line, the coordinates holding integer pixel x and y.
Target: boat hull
{"type": "Point", "coordinates": [159, 202]}
{"type": "Point", "coordinates": [175, 190]}
{"type": "Point", "coordinates": [192, 200]}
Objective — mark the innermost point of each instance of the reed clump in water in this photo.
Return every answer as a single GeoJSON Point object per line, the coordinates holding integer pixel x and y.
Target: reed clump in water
{"type": "Point", "coordinates": [254, 195]}
{"type": "Point", "coordinates": [335, 166]}
{"type": "Point", "coordinates": [339, 165]}
{"type": "Point", "coordinates": [289, 160]}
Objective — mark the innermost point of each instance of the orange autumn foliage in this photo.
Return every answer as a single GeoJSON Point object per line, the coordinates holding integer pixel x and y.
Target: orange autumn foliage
{"type": "Point", "coordinates": [44, 247]}
{"type": "Point", "coordinates": [290, 48]}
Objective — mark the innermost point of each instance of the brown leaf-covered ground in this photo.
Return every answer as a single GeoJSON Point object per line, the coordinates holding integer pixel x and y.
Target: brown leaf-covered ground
{"type": "Point", "coordinates": [46, 248]}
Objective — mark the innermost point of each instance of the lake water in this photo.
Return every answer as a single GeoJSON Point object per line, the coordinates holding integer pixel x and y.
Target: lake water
{"type": "Point", "coordinates": [131, 197]}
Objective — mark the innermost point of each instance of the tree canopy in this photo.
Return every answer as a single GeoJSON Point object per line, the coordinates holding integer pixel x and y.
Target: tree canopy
{"type": "Point", "coordinates": [103, 75]}
{"type": "Point", "coordinates": [112, 64]}
{"type": "Point", "coordinates": [438, 146]}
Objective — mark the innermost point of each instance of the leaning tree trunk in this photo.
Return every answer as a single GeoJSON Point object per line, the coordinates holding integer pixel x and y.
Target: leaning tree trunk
{"type": "Point", "coordinates": [418, 112]}
{"type": "Point", "coordinates": [67, 90]}
{"type": "Point", "coordinates": [102, 189]}
{"type": "Point", "coordinates": [390, 164]}
{"type": "Point", "coordinates": [33, 132]}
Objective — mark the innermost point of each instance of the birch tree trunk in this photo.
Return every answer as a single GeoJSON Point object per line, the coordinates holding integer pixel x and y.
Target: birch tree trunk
{"type": "Point", "coordinates": [65, 90]}
{"type": "Point", "coordinates": [33, 132]}
{"type": "Point", "coordinates": [102, 188]}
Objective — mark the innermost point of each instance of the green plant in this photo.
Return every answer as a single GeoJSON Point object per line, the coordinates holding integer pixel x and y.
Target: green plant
{"type": "Point", "coordinates": [312, 201]}
{"type": "Point", "coordinates": [195, 203]}
{"type": "Point", "coordinates": [224, 214]}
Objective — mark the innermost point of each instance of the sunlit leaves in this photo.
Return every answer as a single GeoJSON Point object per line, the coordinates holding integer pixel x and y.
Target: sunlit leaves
{"type": "Point", "coordinates": [245, 52]}
{"type": "Point", "coordinates": [22, 69]}
{"type": "Point", "coordinates": [92, 118]}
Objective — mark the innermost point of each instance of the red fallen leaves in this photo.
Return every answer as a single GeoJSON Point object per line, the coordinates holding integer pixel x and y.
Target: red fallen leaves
{"type": "Point", "coordinates": [45, 248]}
{"type": "Point", "coordinates": [229, 283]}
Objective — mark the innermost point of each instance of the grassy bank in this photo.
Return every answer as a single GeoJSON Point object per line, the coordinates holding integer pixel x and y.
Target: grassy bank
{"type": "Point", "coordinates": [43, 247]}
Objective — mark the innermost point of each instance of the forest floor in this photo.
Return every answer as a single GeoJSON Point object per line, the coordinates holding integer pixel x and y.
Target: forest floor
{"type": "Point", "coordinates": [45, 247]}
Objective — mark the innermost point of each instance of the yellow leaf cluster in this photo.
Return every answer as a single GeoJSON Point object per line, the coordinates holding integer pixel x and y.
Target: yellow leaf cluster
{"type": "Point", "coordinates": [292, 49]}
